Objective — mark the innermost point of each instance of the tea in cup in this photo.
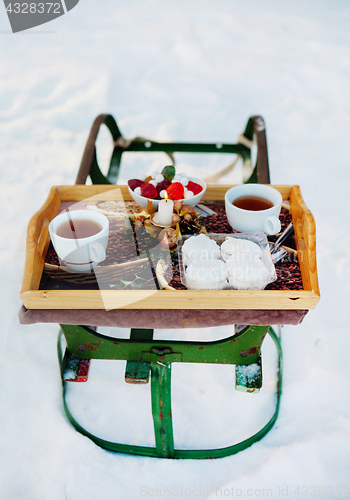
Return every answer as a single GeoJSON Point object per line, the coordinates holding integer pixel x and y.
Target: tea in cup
{"type": "Point", "coordinates": [80, 238]}
{"type": "Point", "coordinates": [254, 208]}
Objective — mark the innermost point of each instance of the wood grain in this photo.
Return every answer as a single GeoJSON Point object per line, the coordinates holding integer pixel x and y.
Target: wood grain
{"type": "Point", "coordinates": [168, 299]}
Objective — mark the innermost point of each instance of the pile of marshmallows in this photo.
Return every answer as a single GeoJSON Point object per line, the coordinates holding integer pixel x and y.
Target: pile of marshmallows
{"type": "Point", "coordinates": [236, 263]}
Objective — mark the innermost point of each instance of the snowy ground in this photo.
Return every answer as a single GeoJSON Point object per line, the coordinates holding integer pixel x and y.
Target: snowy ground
{"type": "Point", "coordinates": [194, 71]}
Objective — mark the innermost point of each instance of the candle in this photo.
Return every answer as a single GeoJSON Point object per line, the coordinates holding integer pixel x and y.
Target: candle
{"type": "Point", "coordinates": [165, 212]}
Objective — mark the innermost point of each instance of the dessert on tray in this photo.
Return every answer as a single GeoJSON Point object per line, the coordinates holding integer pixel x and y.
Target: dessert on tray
{"type": "Point", "coordinates": [206, 275]}
{"type": "Point", "coordinates": [247, 274]}
{"type": "Point", "coordinates": [242, 262]}
{"type": "Point", "coordinates": [200, 248]}
{"type": "Point", "coordinates": [239, 249]}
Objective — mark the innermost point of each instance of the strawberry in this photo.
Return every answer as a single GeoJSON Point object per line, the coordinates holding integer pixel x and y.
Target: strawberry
{"type": "Point", "coordinates": [134, 183]}
{"type": "Point", "coordinates": [148, 190]}
{"type": "Point", "coordinates": [194, 187]}
{"type": "Point", "coordinates": [175, 191]}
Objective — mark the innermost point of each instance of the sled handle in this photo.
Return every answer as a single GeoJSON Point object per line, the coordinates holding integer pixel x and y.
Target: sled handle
{"type": "Point", "coordinates": [262, 162]}
{"type": "Point", "coordinates": [89, 159]}
{"type": "Point", "coordinates": [89, 165]}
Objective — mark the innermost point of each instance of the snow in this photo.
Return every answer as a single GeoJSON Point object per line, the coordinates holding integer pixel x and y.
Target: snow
{"type": "Point", "coordinates": [248, 374]}
{"type": "Point", "coordinates": [182, 71]}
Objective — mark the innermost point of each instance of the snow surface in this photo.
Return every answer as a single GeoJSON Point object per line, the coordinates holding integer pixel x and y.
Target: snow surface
{"type": "Point", "coordinates": [183, 71]}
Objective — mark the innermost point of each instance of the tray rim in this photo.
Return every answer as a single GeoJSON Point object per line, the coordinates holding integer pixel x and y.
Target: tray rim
{"type": "Point", "coordinates": [38, 241]}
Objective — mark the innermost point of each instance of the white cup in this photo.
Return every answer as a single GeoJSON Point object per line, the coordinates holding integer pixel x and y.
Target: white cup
{"type": "Point", "coordinates": [251, 221]}
{"type": "Point", "coordinates": [80, 254]}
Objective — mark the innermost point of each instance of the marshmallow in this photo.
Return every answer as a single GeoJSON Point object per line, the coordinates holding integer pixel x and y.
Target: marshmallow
{"type": "Point", "coordinates": [247, 275]}
{"type": "Point", "coordinates": [188, 194]}
{"type": "Point", "coordinates": [184, 181]}
{"type": "Point", "coordinates": [200, 247]}
{"type": "Point", "coordinates": [206, 275]}
{"type": "Point", "coordinates": [239, 249]}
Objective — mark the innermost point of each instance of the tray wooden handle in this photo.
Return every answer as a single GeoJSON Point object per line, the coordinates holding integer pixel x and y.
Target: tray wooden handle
{"type": "Point", "coordinates": [38, 240]}
{"type": "Point", "coordinates": [305, 238]}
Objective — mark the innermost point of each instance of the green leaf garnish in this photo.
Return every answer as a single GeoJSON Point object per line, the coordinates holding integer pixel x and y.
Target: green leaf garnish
{"type": "Point", "coordinates": [168, 172]}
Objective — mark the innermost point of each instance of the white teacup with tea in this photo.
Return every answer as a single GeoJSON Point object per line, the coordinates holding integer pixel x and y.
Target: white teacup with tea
{"type": "Point", "coordinates": [80, 238]}
{"type": "Point", "coordinates": [254, 208]}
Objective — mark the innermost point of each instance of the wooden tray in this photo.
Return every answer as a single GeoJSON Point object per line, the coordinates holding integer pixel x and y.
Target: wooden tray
{"type": "Point", "coordinates": [38, 241]}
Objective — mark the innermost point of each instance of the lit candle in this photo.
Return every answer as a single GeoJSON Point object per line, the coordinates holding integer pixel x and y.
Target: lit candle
{"type": "Point", "coordinates": [165, 212]}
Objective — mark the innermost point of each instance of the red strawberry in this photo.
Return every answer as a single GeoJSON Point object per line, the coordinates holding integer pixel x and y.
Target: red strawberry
{"type": "Point", "coordinates": [134, 183]}
{"type": "Point", "coordinates": [175, 191]}
{"type": "Point", "coordinates": [194, 187]}
{"type": "Point", "coordinates": [148, 190]}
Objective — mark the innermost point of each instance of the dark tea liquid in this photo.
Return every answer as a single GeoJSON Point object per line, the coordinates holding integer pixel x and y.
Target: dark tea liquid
{"type": "Point", "coordinates": [254, 203]}
{"type": "Point", "coordinates": [78, 228]}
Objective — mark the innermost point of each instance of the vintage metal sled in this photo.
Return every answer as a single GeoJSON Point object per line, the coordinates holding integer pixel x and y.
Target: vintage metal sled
{"type": "Point", "coordinates": [254, 311]}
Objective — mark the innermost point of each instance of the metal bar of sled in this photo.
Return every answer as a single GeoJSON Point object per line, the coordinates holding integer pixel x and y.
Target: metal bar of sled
{"type": "Point", "coordinates": [161, 409]}
{"type": "Point", "coordinates": [243, 348]}
{"type": "Point", "coordinates": [186, 147]}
